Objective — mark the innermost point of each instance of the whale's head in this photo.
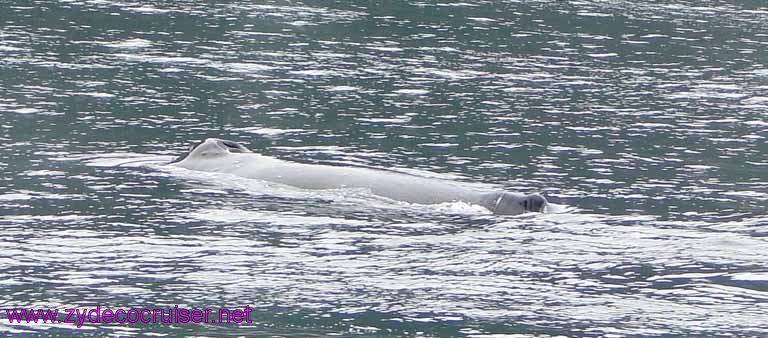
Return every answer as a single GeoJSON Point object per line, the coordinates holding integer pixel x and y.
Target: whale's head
{"type": "Point", "coordinates": [512, 203]}
{"type": "Point", "coordinates": [534, 202]}
{"type": "Point", "coordinates": [212, 148]}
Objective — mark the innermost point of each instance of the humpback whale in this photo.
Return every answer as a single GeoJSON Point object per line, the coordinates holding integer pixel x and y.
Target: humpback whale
{"type": "Point", "coordinates": [217, 155]}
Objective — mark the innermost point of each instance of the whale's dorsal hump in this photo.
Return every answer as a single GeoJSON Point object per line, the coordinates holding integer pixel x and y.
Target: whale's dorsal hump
{"type": "Point", "coordinates": [212, 148]}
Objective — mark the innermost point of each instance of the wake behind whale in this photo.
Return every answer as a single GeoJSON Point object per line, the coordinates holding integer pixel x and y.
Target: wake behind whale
{"type": "Point", "coordinates": [222, 156]}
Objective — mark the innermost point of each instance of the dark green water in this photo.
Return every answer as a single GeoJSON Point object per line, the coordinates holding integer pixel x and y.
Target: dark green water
{"type": "Point", "coordinates": [645, 123]}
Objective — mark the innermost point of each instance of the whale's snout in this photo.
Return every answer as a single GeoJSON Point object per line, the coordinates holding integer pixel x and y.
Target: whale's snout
{"type": "Point", "coordinates": [507, 203]}
{"type": "Point", "coordinates": [534, 202]}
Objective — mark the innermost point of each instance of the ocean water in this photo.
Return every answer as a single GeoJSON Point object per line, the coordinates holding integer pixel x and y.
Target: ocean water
{"type": "Point", "coordinates": [644, 124]}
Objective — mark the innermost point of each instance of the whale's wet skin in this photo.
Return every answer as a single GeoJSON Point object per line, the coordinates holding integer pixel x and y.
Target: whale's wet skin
{"type": "Point", "coordinates": [215, 155]}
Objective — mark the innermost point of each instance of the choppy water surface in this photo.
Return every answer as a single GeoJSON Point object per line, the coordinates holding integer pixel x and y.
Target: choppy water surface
{"type": "Point", "coordinates": [645, 122]}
